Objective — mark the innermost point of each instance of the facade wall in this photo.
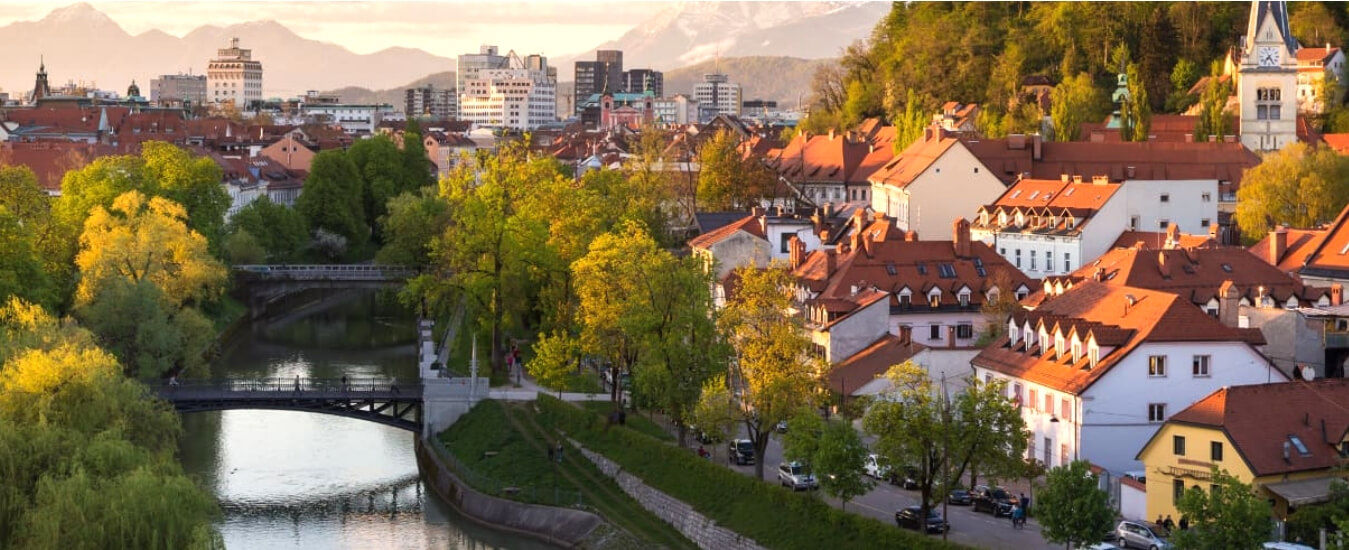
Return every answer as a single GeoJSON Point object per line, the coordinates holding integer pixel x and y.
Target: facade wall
{"type": "Point", "coordinates": [1161, 461]}
{"type": "Point", "coordinates": [739, 250]}
{"type": "Point", "coordinates": [954, 186]}
{"type": "Point", "coordinates": [1189, 204]}
{"type": "Point", "coordinates": [779, 231]}
{"type": "Point", "coordinates": [922, 322]}
{"type": "Point", "coordinates": [861, 329]}
{"type": "Point", "coordinates": [1258, 134]}
{"type": "Point", "coordinates": [942, 364]}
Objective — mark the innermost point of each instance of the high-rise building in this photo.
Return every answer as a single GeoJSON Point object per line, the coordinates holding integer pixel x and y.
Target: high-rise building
{"type": "Point", "coordinates": [428, 102]}
{"type": "Point", "coordinates": [522, 96]}
{"type": "Point", "coordinates": [636, 81]}
{"type": "Point", "coordinates": [471, 64]}
{"type": "Point", "coordinates": [234, 76]}
{"type": "Point", "coordinates": [603, 75]}
{"type": "Point", "coordinates": [719, 94]}
{"type": "Point", "coordinates": [178, 89]}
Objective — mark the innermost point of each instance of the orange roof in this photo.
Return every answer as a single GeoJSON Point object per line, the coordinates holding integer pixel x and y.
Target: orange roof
{"type": "Point", "coordinates": [1104, 312]}
{"type": "Point", "coordinates": [1329, 255]}
{"type": "Point", "coordinates": [821, 158]}
{"type": "Point", "coordinates": [1315, 56]}
{"type": "Point", "coordinates": [1259, 419]}
{"type": "Point", "coordinates": [1338, 142]}
{"type": "Point", "coordinates": [1301, 243]}
{"type": "Point", "coordinates": [1156, 240]}
{"type": "Point", "coordinates": [1048, 206]}
{"type": "Point", "coordinates": [750, 224]}
{"type": "Point", "coordinates": [912, 162]}
{"type": "Point", "coordinates": [873, 361]}
{"type": "Point", "coordinates": [1195, 274]}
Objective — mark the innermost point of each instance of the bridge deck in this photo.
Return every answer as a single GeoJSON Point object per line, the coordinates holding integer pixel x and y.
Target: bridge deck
{"type": "Point", "coordinates": [391, 403]}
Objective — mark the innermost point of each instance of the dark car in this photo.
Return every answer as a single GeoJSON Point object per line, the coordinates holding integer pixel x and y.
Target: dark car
{"type": "Point", "coordinates": [907, 477]}
{"type": "Point", "coordinates": [740, 451]}
{"type": "Point", "coordinates": [908, 518]}
{"type": "Point", "coordinates": [992, 500]}
{"type": "Point", "coordinates": [960, 497]}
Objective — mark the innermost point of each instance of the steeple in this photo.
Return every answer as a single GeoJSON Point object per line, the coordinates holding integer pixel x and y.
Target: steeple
{"type": "Point", "coordinates": [1277, 12]}
{"type": "Point", "coordinates": [40, 88]}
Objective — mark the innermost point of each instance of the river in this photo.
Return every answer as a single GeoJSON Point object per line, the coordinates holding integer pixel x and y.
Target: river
{"type": "Point", "coordinates": [301, 480]}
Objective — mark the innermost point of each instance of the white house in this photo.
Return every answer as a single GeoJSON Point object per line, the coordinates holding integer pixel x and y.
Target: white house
{"type": "Point", "coordinates": [1098, 368]}
{"type": "Point", "coordinates": [1050, 227]}
{"type": "Point", "coordinates": [933, 181]}
{"type": "Point", "coordinates": [1153, 205]}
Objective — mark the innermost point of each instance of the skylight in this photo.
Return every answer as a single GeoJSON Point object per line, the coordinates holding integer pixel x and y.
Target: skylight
{"type": "Point", "coordinates": [1299, 445]}
{"type": "Point", "coordinates": [922, 269]}
{"type": "Point", "coordinates": [1033, 194]}
{"type": "Point", "coordinates": [1345, 249]}
{"type": "Point", "coordinates": [948, 271]}
{"type": "Point", "coordinates": [1227, 268]}
{"type": "Point", "coordinates": [890, 268]}
{"type": "Point", "coordinates": [1069, 192]}
{"type": "Point", "coordinates": [1016, 193]}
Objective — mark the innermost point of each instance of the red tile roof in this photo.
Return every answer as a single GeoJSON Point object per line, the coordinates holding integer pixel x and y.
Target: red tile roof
{"type": "Point", "coordinates": [50, 160]}
{"type": "Point", "coordinates": [1156, 240]}
{"type": "Point", "coordinates": [1328, 253]}
{"type": "Point", "coordinates": [1260, 418]}
{"type": "Point", "coordinates": [910, 163]}
{"type": "Point", "coordinates": [1120, 318]}
{"type": "Point", "coordinates": [1315, 56]}
{"type": "Point", "coordinates": [875, 360]}
{"type": "Point", "coordinates": [1300, 244]}
{"type": "Point", "coordinates": [751, 224]}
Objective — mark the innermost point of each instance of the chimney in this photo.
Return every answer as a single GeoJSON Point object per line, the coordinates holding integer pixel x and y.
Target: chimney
{"type": "Point", "coordinates": [1336, 294]}
{"type": "Point", "coordinates": [1016, 142]}
{"type": "Point", "coordinates": [1228, 302]}
{"type": "Point", "coordinates": [831, 261]}
{"type": "Point", "coordinates": [1077, 178]}
{"type": "Point", "coordinates": [927, 134]}
{"type": "Point", "coordinates": [795, 251]}
{"type": "Point", "coordinates": [1161, 264]}
{"type": "Point", "coordinates": [854, 240]}
{"type": "Point", "coordinates": [1099, 274]}
{"type": "Point", "coordinates": [911, 236]}
{"type": "Point", "coordinates": [1063, 178]}
{"type": "Point", "coordinates": [828, 210]}
{"type": "Point", "coordinates": [1278, 244]}
{"type": "Point", "coordinates": [1172, 235]}
{"type": "Point", "coordinates": [1213, 231]}
{"type": "Point", "coordinates": [880, 216]}
{"type": "Point", "coordinates": [831, 134]}
{"type": "Point", "coordinates": [1129, 301]}
{"type": "Point", "coordinates": [866, 245]}
{"type": "Point", "coordinates": [1189, 138]}
{"type": "Point", "coordinates": [1036, 142]}
{"type": "Point", "coordinates": [905, 334]}
{"type": "Point", "coordinates": [756, 211]}
{"type": "Point", "coordinates": [960, 238]}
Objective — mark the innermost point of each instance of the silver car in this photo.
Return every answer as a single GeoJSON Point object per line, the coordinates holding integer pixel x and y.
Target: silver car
{"type": "Point", "coordinates": [1133, 534]}
{"type": "Point", "coordinates": [794, 476]}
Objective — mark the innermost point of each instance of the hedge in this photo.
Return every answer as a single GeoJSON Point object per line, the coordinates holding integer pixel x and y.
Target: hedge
{"type": "Point", "coordinates": [772, 516]}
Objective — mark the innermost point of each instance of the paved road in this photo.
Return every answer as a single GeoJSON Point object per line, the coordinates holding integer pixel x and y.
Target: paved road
{"type": "Point", "coordinates": [967, 527]}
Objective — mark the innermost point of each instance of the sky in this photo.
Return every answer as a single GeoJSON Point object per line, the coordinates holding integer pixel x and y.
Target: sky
{"type": "Point", "coordinates": [445, 28]}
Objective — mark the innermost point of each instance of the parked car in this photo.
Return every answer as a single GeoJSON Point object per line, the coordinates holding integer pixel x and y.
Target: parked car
{"type": "Point", "coordinates": [1134, 534]}
{"type": "Point", "coordinates": [875, 469]}
{"type": "Point", "coordinates": [794, 476]}
{"type": "Point", "coordinates": [1272, 545]}
{"type": "Point", "coordinates": [740, 451]}
{"type": "Point", "coordinates": [781, 427]}
{"type": "Point", "coordinates": [960, 497]}
{"type": "Point", "coordinates": [992, 500]}
{"type": "Point", "coordinates": [908, 518]}
{"type": "Point", "coordinates": [703, 436]}
{"type": "Point", "coordinates": [1102, 546]}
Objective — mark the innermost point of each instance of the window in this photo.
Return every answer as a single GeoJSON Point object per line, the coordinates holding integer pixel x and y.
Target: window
{"type": "Point", "coordinates": [1178, 445]}
{"type": "Point", "coordinates": [1066, 410]}
{"type": "Point", "coordinates": [1177, 490]}
{"type": "Point", "coordinates": [1018, 258]}
{"type": "Point", "coordinates": [1157, 365]}
{"type": "Point", "coordinates": [1200, 365]}
{"type": "Point", "coordinates": [1016, 394]}
{"type": "Point", "coordinates": [1215, 451]}
{"type": "Point", "coordinates": [1063, 453]}
{"type": "Point", "coordinates": [905, 300]}
{"type": "Point", "coordinates": [1299, 445]}
{"type": "Point", "coordinates": [964, 298]}
{"type": "Point", "coordinates": [934, 332]}
{"type": "Point", "coordinates": [1067, 262]}
{"type": "Point", "coordinates": [1049, 403]}
{"type": "Point", "coordinates": [1034, 394]}
{"type": "Point", "coordinates": [1156, 412]}
{"type": "Point", "coordinates": [934, 299]}
{"type": "Point", "coordinates": [1032, 260]}
{"type": "Point", "coordinates": [1133, 223]}
{"type": "Point", "coordinates": [1166, 197]}
{"type": "Point", "coordinates": [948, 271]}
{"type": "Point", "coordinates": [1204, 222]}
{"type": "Point", "coordinates": [964, 331]}
{"type": "Point", "coordinates": [1206, 196]}
{"type": "Point", "coordinates": [786, 238]}
{"type": "Point", "coordinates": [1162, 224]}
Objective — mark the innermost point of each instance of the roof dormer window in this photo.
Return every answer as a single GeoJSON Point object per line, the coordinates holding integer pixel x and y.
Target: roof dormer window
{"type": "Point", "coordinates": [964, 297]}
{"type": "Point", "coordinates": [1058, 344]}
{"type": "Point", "coordinates": [1093, 354]}
{"type": "Point", "coordinates": [934, 298]}
{"type": "Point", "coordinates": [1013, 332]}
{"type": "Point", "coordinates": [1077, 348]}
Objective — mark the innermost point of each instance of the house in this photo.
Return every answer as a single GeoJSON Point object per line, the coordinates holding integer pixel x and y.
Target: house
{"type": "Point", "coordinates": [883, 280]}
{"type": "Point", "coordinates": [1290, 440]}
{"type": "Point", "coordinates": [820, 167]}
{"type": "Point", "coordinates": [1313, 66]}
{"type": "Point", "coordinates": [446, 150]}
{"type": "Point", "coordinates": [1319, 256]}
{"type": "Point", "coordinates": [290, 152]}
{"type": "Point", "coordinates": [1050, 227]}
{"type": "Point", "coordinates": [933, 180]}
{"type": "Point", "coordinates": [742, 243]}
{"type": "Point", "coordinates": [1097, 368]}
{"type": "Point", "coordinates": [957, 117]}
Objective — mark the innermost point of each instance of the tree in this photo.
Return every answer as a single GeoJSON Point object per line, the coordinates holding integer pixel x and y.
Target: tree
{"type": "Point", "coordinates": [1075, 100]}
{"type": "Point", "coordinates": [1073, 509]}
{"type": "Point", "coordinates": [417, 167]}
{"type": "Point", "coordinates": [380, 164]}
{"type": "Point", "coordinates": [987, 433]}
{"type": "Point", "coordinates": [714, 414]}
{"type": "Point", "coordinates": [279, 229]}
{"type": "Point", "coordinates": [148, 334]}
{"type": "Point", "coordinates": [727, 180]}
{"type": "Point", "coordinates": [909, 426]}
{"type": "Point", "coordinates": [333, 198]}
{"type": "Point", "coordinates": [1136, 110]}
{"type": "Point", "coordinates": [22, 273]}
{"type": "Point", "coordinates": [411, 225]}
{"type": "Point", "coordinates": [1213, 120]}
{"type": "Point", "coordinates": [833, 451]}
{"type": "Point", "coordinates": [1183, 77]}
{"type": "Point", "coordinates": [22, 196]}
{"type": "Point", "coordinates": [242, 249]}
{"type": "Point", "coordinates": [1229, 515]}
{"type": "Point", "coordinates": [192, 181]}
{"type": "Point", "coordinates": [1313, 24]}
{"type": "Point", "coordinates": [1305, 523]}
{"type": "Point", "coordinates": [139, 239]}
{"type": "Point", "coordinates": [910, 125]}
{"type": "Point", "coordinates": [1297, 185]}
{"type": "Point", "coordinates": [773, 370]}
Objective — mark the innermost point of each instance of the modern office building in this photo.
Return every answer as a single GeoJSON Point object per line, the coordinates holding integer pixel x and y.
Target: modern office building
{"type": "Point", "coordinates": [234, 76]}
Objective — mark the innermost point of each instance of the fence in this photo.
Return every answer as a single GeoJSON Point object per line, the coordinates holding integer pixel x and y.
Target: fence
{"type": "Point", "coordinates": [551, 496]}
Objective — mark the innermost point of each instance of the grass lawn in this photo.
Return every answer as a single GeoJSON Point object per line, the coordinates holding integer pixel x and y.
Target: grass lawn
{"type": "Point", "coordinates": [504, 445]}
{"type": "Point", "coordinates": [635, 421]}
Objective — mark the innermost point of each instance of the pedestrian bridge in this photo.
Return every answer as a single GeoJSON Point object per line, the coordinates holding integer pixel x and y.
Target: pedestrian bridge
{"type": "Point", "coordinates": [263, 286]}
{"type": "Point", "coordinates": [389, 402]}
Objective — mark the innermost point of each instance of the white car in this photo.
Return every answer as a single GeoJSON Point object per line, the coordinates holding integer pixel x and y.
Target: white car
{"type": "Point", "coordinates": [875, 469]}
{"type": "Point", "coordinates": [1286, 546]}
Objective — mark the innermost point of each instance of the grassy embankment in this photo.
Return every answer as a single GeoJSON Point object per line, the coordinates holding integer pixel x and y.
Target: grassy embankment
{"type": "Point", "coordinates": [504, 445]}
{"type": "Point", "coordinates": [772, 516]}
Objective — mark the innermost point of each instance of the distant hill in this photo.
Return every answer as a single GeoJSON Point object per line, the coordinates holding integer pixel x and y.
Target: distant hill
{"type": "Point", "coordinates": [394, 96]}
{"type": "Point", "coordinates": [781, 79]}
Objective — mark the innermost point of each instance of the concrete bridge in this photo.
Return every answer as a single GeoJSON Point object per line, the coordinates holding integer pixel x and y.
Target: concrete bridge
{"type": "Point", "coordinates": [262, 286]}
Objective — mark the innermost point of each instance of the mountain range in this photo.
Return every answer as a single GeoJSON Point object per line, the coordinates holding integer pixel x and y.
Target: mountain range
{"type": "Point", "coordinates": [79, 43]}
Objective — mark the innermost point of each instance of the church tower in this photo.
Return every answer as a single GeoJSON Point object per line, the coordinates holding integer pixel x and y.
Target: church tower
{"type": "Point", "coordinates": [40, 88]}
{"type": "Point", "coordinates": [1267, 79]}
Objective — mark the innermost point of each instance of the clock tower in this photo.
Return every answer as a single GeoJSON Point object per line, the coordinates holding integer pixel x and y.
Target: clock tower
{"type": "Point", "coordinates": [1267, 79]}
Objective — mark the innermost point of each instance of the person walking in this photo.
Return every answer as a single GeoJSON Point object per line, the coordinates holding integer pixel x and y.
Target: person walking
{"type": "Point", "coordinates": [297, 383]}
{"type": "Point", "coordinates": [1025, 503]}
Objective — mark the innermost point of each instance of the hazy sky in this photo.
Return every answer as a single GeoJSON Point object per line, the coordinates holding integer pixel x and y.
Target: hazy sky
{"type": "Point", "coordinates": [445, 28]}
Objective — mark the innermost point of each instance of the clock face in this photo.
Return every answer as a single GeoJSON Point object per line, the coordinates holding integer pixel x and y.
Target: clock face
{"type": "Point", "coordinates": [1267, 56]}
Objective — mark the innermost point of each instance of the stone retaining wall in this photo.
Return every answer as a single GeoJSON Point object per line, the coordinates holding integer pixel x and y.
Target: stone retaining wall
{"type": "Point", "coordinates": [561, 526]}
{"type": "Point", "coordinates": [698, 528]}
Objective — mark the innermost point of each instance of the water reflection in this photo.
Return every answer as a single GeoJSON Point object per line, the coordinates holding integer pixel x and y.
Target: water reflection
{"type": "Point", "coordinates": [303, 480]}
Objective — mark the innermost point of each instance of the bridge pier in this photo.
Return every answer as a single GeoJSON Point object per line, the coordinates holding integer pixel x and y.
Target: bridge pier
{"type": "Point", "coordinates": [444, 399]}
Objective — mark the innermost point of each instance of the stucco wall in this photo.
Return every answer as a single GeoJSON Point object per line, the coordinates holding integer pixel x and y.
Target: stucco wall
{"type": "Point", "coordinates": [954, 186]}
{"type": "Point", "coordinates": [739, 250]}
{"type": "Point", "coordinates": [1185, 205]}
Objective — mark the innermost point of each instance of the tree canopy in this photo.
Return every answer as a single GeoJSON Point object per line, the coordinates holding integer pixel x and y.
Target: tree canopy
{"type": "Point", "coordinates": [333, 199]}
{"type": "Point", "coordinates": [1297, 185]}
{"type": "Point", "coordinates": [1228, 514]}
{"type": "Point", "coordinates": [1073, 509]}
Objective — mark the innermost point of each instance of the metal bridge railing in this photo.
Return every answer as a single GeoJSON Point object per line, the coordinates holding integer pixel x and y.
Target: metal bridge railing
{"type": "Point", "coordinates": [293, 385]}
{"type": "Point", "coordinates": [327, 271]}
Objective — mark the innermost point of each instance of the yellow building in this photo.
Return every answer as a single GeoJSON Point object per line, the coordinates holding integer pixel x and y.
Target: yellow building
{"type": "Point", "coordinates": [1287, 439]}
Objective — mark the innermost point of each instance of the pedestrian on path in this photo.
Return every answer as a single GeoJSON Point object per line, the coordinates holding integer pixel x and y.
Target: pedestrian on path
{"type": "Point", "coordinates": [297, 383]}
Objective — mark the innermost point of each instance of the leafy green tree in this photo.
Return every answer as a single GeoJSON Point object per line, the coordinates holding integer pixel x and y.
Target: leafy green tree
{"type": "Point", "coordinates": [1297, 185]}
{"type": "Point", "coordinates": [139, 239]}
{"type": "Point", "coordinates": [1213, 120]}
{"type": "Point", "coordinates": [418, 171]}
{"type": "Point", "coordinates": [988, 432]}
{"type": "Point", "coordinates": [380, 164]}
{"type": "Point", "coordinates": [189, 180]}
{"type": "Point", "coordinates": [909, 425]}
{"type": "Point", "coordinates": [1305, 523]}
{"type": "Point", "coordinates": [1229, 515]}
{"type": "Point", "coordinates": [1072, 508]}
{"type": "Point", "coordinates": [1313, 24]}
{"type": "Point", "coordinates": [281, 231]}
{"type": "Point", "coordinates": [714, 414]}
{"type": "Point", "coordinates": [412, 224]}
{"type": "Point", "coordinates": [333, 198]}
{"type": "Point", "coordinates": [146, 331]}
{"type": "Point", "coordinates": [242, 249]}
{"type": "Point", "coordinates": [834, 452]}
{"type": "Point", "coordinates": [911, 123]}
{"type": "Point", "coordinates": [557, 357]}
{"type": "Point", "coordinates": [22, 196]}
{"type": "Point", "coordinates": [727, 180]}
{"type": "Point", "coordinates": [22, 273]}
{"type": "Point", "coordinates": [1136, 111]}
{"type": "Point", "coordinates": [1075, 100]}
{"type": "Point", "coordinates": [773, 370]}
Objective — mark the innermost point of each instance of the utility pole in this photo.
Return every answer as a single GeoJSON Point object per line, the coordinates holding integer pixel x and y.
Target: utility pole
{"type": "Point", "coordinates": [945, 457]}
{"type": "Point", "coordinates": [473, 368]}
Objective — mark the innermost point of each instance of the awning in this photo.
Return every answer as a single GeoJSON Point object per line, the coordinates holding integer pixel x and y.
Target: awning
{"type": "Point", "coordinates": [1303, 491]}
